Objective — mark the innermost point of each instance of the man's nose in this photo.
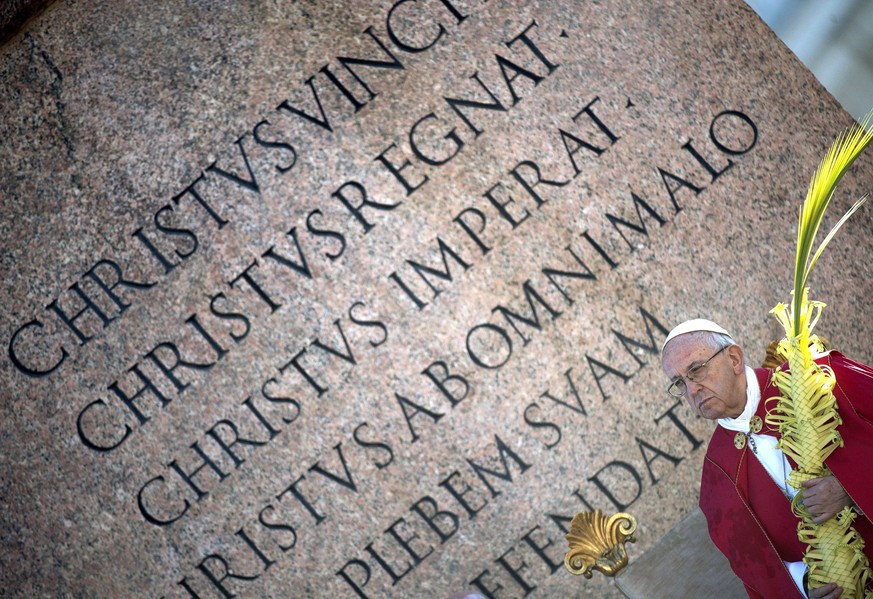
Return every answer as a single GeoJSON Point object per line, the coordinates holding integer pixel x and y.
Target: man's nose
{"type": "Point", "coordinates": [691, 387]}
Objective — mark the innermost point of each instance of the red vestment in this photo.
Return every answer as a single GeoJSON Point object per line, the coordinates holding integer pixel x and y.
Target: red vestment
{"type": "Point", "coordinates": [748, 515]}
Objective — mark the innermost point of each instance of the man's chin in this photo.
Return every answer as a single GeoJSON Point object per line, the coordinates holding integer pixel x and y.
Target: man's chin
{"type": "Point", "coordinates": [708, 411]}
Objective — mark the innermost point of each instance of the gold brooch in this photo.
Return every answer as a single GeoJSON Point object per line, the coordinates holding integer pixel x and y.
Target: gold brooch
{"type": "Point", "coordinates": [755, 426]}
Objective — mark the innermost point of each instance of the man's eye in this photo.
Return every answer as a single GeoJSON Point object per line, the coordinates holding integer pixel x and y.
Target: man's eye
{"type": "Point", "coordinates": [692, 372]}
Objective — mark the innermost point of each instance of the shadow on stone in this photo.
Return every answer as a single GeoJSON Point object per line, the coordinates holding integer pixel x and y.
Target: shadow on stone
{"type": "Point", "coordinates": [684, 564]}
{"type": "Point", "coordinates": [15, 13]}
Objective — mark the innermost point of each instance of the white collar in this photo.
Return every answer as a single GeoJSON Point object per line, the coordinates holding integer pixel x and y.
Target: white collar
{"type": "Point", "coordinates": [753, 398]}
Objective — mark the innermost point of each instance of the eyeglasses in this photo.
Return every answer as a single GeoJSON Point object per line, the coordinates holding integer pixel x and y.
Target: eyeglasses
{"type": "Point", "coordinates": [696, 373]}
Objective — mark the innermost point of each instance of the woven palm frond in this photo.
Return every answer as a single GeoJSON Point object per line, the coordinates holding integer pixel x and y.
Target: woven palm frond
{"type": "Point", "coordinates": [806, 413]}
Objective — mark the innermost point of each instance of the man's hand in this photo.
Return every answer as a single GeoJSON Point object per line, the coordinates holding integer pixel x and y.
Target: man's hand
{"type": "Point", "coordinates": [824, 497]}
{"type": "Point", "coordinates": [828, 591]}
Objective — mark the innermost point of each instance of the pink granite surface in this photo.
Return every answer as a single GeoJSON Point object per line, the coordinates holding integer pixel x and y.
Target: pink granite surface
{"type": "Point", "coordinates": [328, 451]}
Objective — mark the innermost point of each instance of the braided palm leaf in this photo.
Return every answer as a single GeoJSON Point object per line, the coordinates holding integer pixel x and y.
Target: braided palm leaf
{"type": "Point", "coordinates": [806, 413]}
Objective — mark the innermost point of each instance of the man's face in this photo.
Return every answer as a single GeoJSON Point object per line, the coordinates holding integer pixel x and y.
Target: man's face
{"type": "Point", "coordinates": [720, 390]}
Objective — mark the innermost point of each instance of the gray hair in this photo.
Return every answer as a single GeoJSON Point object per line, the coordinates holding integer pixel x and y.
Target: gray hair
{"type": "Point", "coordinates": [714, 341]}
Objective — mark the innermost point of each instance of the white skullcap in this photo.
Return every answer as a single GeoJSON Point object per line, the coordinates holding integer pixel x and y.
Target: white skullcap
{"type": "Point", "coordinates": [693, 326]}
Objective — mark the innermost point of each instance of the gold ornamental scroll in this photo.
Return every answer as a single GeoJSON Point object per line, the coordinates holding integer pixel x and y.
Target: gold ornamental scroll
{"type": "Point", "coordinates": [597, 542]}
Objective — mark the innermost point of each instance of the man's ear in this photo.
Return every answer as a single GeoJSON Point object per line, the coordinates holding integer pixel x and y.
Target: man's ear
{"type": "Point", "coordinates": [736, 356]}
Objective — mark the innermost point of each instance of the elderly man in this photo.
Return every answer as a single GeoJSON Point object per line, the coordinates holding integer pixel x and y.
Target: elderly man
{"type": "Point", "coordinates": [743, 492]}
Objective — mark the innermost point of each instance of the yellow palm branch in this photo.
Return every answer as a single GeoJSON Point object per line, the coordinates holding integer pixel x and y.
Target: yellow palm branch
{"type": "Point", "coordinates": [806, 413]}
{"type": "Point", "coordinates": [836, 162]}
